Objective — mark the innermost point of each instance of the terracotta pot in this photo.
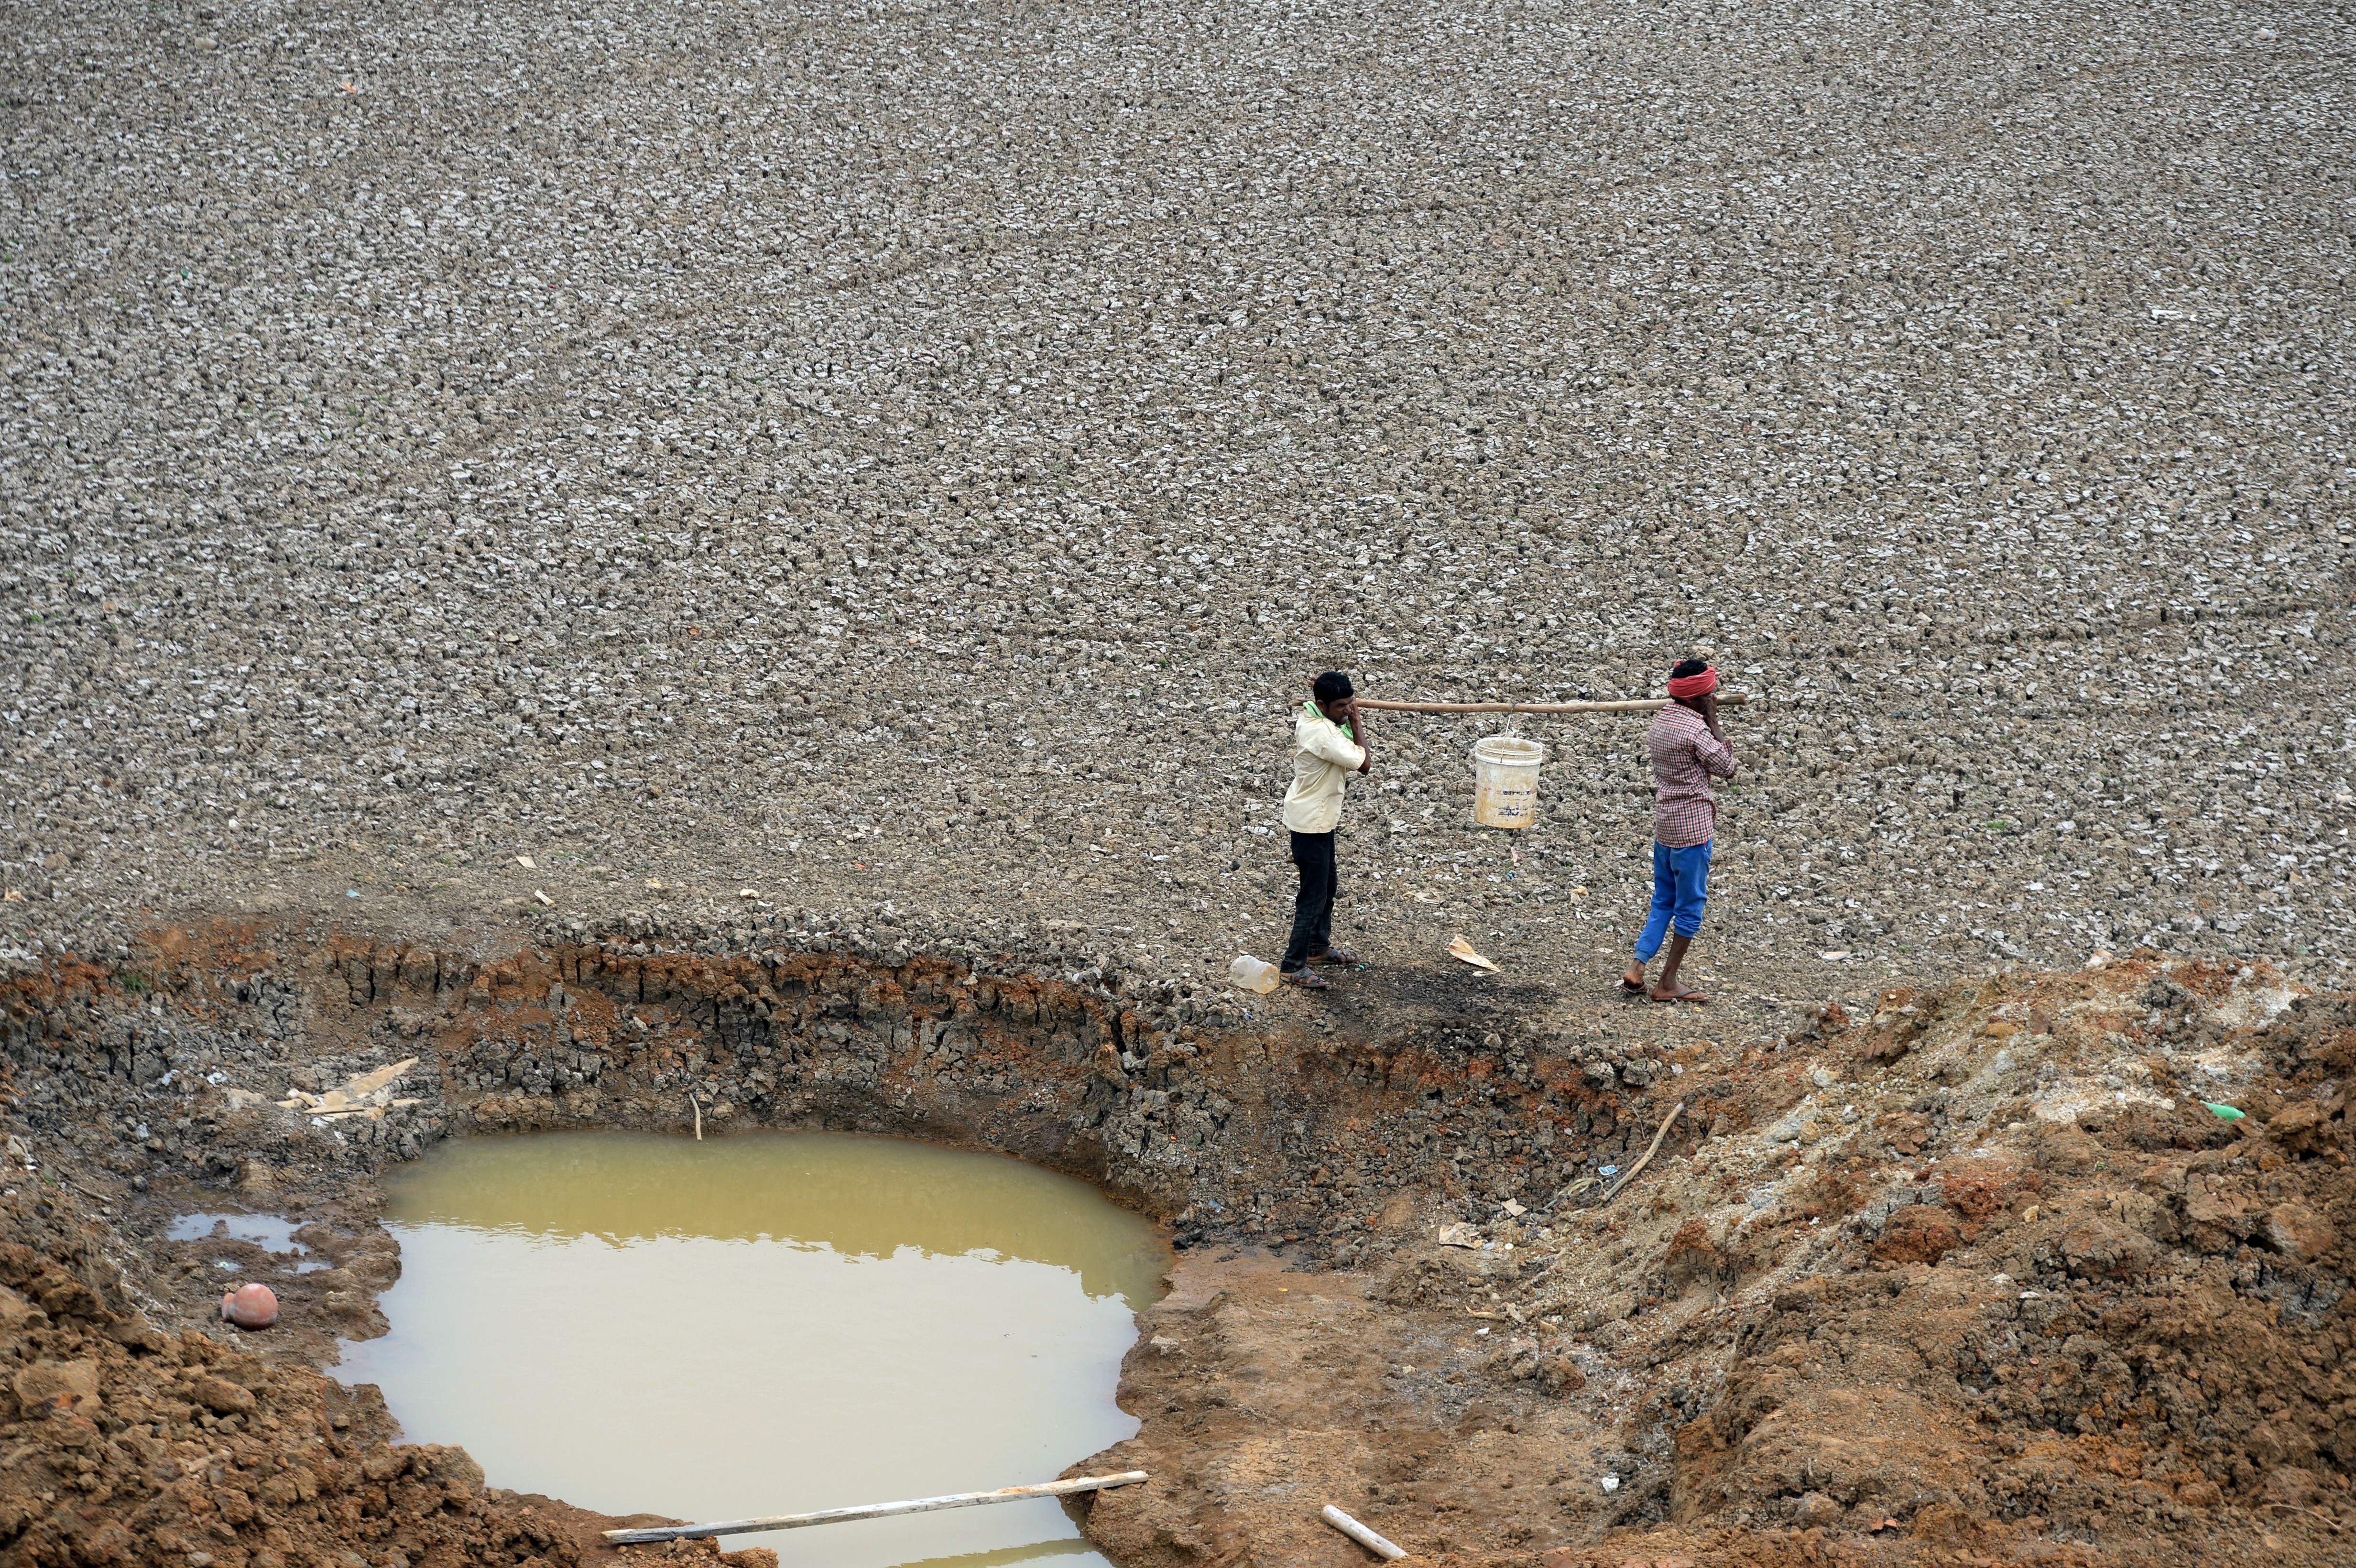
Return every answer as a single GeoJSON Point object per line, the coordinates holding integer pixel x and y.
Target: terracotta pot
{"type": "Point", "coordinates": [251, 1307]}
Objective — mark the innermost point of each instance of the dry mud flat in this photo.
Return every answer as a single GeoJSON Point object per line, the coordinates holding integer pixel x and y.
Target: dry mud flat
{"type": "Point", "coordinates": [880, 457]}
{"type": "Point", "coordinates": [1974, 1278]}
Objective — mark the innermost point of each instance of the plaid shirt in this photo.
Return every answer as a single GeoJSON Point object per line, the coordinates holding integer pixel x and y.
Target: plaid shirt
{"type": "Point", "coordinates": [1685, 755]}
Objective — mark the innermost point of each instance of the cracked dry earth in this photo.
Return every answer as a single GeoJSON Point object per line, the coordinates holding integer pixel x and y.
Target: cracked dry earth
{"type": "Point", "coordinates": [1974, 1277]}
{"type": "Point", "coordinates": [893, 460]}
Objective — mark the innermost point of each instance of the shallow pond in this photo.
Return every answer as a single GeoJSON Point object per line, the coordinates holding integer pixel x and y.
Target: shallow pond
{"type": "Point", "coordinates": [765, 1323]}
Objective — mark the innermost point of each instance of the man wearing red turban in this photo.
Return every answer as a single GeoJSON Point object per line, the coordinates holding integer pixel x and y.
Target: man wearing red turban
{"type": "Point", "coordinates": [1687, 749]}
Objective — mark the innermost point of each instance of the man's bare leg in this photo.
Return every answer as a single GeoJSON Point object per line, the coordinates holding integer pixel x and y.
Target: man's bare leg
{"type": "Point", "coordinates": [1665, 988]}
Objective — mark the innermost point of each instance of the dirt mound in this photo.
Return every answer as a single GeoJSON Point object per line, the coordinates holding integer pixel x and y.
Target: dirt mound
{"type": "Point", "coordinates": [1983, 1273]}
{"type": "Point", "coordinates": [2149, 1319]}
{"type": "Point", "coordinates": [125, 1445]}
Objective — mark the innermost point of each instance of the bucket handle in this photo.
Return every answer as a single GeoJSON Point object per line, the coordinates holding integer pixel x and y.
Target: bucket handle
{"type": "Point", "coordinates": [1509, 726]}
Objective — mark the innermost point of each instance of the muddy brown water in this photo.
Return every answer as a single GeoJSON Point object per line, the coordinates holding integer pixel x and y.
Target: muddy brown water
{"type": "Point", "coordinates": [765, 1323]}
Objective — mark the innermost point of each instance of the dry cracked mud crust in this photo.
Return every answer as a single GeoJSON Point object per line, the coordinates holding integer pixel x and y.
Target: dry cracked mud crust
{"type": "Point", "coordinates": [1976, 1275]}
{"type": "Point", "coordinates": [901, 461]}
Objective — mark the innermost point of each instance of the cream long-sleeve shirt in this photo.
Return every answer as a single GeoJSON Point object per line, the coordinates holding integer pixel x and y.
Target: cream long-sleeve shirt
{"type": "Point", "coordinates": [1323, 758]}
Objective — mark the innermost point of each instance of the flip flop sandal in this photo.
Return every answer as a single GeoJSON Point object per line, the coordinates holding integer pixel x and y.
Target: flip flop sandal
{"type": "Point", "coordinates": [1309, 980]}
{"type": "Point", "coordinates": [1335, 959]}
{"type": "Point", "coordinates": [1695, 997]}
{"type": "Point", "coordinates": [1636, 993]}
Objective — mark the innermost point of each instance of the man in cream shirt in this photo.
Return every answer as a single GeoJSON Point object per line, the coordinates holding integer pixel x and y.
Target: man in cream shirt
{"type": "Point", "coordinates": [1329, 744]}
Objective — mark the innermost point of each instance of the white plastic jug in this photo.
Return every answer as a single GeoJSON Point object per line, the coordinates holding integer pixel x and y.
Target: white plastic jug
{"type": "Point", "coordinates": [1505, 781]}
{"type": "Point", "coordinates": [1251, 974]}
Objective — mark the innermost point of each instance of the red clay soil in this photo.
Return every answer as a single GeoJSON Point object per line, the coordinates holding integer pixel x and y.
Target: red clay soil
{"type": "Point", "coordinates": [126, 1444]}
{"type": "Point", "coordinates": [2118, 1336]}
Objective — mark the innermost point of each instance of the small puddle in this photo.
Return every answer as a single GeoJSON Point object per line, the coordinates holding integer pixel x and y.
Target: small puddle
{"type": "Point", "coordinates": [765, 1323]}
{"type": "Point", "coordinates": [268, 1232]}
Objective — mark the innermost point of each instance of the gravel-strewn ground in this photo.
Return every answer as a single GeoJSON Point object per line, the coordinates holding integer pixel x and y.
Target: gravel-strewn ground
{"type": "Point", "coordinates": [868, 453]}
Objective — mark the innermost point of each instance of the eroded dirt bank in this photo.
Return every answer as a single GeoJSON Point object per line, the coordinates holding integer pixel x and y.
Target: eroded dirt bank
{"type": "Point", "coordinates": [1978, 1276]}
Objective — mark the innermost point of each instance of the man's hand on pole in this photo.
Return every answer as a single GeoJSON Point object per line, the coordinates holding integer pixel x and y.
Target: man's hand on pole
{"type": "Point", "coordinates": [1357, 722]}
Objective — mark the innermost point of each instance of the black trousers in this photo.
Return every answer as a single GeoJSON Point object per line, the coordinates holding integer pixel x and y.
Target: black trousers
{"type": "Point", "coordinates": [1312, 912]}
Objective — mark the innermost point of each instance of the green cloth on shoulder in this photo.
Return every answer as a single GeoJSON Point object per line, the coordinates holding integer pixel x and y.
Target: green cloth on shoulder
{"type": "Point", "coordinates": [1311, 705]}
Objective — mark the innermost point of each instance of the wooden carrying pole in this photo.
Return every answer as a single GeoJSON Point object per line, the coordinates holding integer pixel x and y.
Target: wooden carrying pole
{"type": "Point", "coordinates": [1644, 705]}
{"type": "Point", "coordinates": [871, 1511]}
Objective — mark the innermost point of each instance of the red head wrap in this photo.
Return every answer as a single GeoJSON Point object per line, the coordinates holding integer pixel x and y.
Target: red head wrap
{"type": "Point", "coordinates": [1685, 685]}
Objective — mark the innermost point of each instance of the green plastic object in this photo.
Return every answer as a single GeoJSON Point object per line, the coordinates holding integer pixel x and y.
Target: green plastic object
{"type": "Point", "coordinates": [2227, 1112]}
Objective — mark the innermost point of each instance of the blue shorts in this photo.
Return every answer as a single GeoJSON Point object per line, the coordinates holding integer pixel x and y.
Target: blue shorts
{"type": "Point", "coordinates": [1680, 889]}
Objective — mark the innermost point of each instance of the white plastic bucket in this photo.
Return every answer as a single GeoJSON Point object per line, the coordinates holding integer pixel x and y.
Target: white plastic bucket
{"type": "Point", "coordinates": [1505, 781]}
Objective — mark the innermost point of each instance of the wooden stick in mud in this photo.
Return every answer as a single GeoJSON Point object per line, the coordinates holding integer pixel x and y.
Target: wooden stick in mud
{"type": "Point", "coordinates": [1642, 705]}
{"type": "Point", "coordinates": [1361, 1534]}
{"type": "Point", "coordinates": [1621, 1185]}
{"type": "Point", "coordinates": [871, 1511]}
